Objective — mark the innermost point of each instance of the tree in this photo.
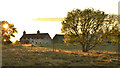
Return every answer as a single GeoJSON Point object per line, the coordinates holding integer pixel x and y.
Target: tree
{"type": "Point", "coordinates": [8, 31]}
{"type": "Point", "coordinates": [84, 27]}
{"type": "Point", "coordinates": [112, 29]}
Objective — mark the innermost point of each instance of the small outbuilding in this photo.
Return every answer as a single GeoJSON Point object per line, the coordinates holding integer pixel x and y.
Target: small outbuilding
{"type": "Point", "coordinates": [58, 39]}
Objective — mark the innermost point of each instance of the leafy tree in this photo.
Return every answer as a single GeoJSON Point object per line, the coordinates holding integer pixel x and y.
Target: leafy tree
{"type": "Point", "coordinates": [8, 31]}
{"type": "Point", "coordinates": [112, 29]}
{"type": "Point", "coordinates": [85, 27]}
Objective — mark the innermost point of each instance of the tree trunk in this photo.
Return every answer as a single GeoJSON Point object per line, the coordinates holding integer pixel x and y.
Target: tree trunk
{"type": "Point", "coordinates": [84, 49]}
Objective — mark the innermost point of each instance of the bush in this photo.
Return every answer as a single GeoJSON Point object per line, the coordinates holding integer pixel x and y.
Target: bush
{"type": "Point", "coordinates": [32, 45]}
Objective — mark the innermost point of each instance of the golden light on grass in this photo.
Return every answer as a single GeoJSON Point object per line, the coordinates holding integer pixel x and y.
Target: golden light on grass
{"type": "Point", "coordinates": [26, 45]}
{"type": "Point", "coordinates": [5, 26]}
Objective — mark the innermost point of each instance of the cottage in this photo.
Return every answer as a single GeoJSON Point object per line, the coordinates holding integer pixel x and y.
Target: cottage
{"type": "Point", "coordinates": [58, 39]}
{"type": "Point", "coordinates": [39, 38]}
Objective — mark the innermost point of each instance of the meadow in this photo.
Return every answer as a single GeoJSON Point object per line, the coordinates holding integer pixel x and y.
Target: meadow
{"type": "Point", "coordinates": [59, 55]}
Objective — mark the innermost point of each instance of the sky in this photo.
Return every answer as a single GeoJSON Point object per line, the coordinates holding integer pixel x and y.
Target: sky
{"type": "Point", "coordinates": [46, 15]}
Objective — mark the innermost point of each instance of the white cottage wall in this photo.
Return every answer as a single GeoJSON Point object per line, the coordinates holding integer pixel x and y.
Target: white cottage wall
{"type": "Point", "coordinates": [45, 40]}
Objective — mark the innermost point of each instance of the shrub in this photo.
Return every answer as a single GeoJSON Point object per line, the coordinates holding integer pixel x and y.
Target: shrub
{"type": "Point", "coordinates": [32, 45]}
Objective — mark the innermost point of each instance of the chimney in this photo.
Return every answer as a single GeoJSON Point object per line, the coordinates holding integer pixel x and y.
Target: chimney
{"type": "Point", "coordinates": [38, 32]}
{"type": "Point", "coordinates": [24, 32]}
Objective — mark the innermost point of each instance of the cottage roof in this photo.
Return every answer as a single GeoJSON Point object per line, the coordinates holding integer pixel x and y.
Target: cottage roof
{"type": "Point", "coordinates": [40, 35]}
{"type": "Point", "coordinates": [58, 35]}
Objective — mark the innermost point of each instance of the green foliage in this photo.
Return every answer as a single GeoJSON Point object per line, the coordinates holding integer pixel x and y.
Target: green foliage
{"type": "Point", "coordinates": [113, 33]}
{"type": "Point", "coordinates": [86, 27]}
{"type": "Point", "coordinates": [32, 45]}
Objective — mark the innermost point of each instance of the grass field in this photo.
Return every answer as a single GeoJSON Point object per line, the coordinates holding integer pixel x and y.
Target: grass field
{"type": "Point", "coordinates": [43, 55]}
{"type": "Point", "coordinates": [101, 47]}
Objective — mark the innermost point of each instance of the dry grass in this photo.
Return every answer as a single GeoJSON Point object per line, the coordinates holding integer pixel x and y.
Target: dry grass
{"type": "Point", "coordinates": [44, 56]}
{"type": "Point", "coordinates": [3, 47]}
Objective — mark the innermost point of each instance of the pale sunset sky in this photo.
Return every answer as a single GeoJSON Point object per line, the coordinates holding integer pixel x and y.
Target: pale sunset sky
{"type": "Point", "coordinates": [46, 15]}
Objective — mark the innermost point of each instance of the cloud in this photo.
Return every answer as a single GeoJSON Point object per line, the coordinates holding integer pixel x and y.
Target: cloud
{"type": "Point", "coordinates": [48, 19]}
